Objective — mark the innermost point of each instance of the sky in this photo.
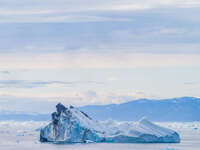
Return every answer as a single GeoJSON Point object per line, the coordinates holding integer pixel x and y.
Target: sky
{"type": "Point", "coordinates": [98, 52]}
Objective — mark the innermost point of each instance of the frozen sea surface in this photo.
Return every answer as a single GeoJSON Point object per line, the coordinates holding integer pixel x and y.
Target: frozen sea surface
{"type": "Point", "coordinates": [25, 136]}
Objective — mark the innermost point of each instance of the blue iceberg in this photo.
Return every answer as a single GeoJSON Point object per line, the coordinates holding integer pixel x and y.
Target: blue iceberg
{"type": "Point", "coordinates": [70, 125]}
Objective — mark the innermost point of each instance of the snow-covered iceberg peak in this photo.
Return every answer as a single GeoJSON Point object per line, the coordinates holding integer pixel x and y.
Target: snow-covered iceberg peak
{"type": "Point", "coordinates": [70, 125]}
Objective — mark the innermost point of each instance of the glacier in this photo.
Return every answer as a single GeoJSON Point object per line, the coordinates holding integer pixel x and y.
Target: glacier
{"type": "Point", "coordinates": [71, 125]}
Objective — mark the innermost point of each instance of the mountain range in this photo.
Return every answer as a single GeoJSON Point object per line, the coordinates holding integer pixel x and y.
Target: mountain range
{"type": "Point", "coordinates": [174, 109]}
{"type": "Point", "coordinates": [182, 109]}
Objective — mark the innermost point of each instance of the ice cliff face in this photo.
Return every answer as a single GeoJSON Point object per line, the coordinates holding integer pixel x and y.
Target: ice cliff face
{"type": "Point", "coordinates": [70, 125]}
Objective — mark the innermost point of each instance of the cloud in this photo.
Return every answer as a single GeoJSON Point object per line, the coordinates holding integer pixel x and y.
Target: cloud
{"type": "Point", "coordinates": [37, 84]}
{"type": "Point", "coordinates": [30, 84]}
{"type": "Point", "coordinates": [101, 34]}
{"type": "Point", "coordinates": [173, 31]}
{"type": "Point", "coordinates": [155, 30]}
{"type": "Point", "coordinates": [70, 11]}
{"type": "Point", "coordinates": [113, 78]}
{"type": "Point", "coordinates": [64, 18]}
{"type": "Point", "coordinates": [192, 86]}
{"type": "Point", "coordinates": [4, 72]}
{"type": "Point", "coordinates": [73, 98]}
{"type": "Point", "coordinates": [145, 34]}
{"type": "Point", "coordinates": [191, 83]}
{"type": "Point", "coordinates": [96, 60]}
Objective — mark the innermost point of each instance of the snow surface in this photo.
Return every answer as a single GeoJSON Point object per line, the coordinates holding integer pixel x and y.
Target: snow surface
{"type": "Point", "coordinates": [70, 125]}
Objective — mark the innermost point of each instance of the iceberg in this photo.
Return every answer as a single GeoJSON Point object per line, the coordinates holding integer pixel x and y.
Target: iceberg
{"type": "Point", "coordinates": [71, 125]}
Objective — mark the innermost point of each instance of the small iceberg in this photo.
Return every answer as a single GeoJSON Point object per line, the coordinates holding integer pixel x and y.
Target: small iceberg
{"type": "Point", "coordinates": [71, 125]}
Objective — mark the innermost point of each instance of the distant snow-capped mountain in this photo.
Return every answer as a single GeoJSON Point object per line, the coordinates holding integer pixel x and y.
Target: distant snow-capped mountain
{"type": "Point", "coordinates": [175, 109]}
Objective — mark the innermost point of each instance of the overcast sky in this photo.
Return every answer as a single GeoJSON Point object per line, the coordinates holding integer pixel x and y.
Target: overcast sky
{"type": "Point", "coordinates": [99, 52]}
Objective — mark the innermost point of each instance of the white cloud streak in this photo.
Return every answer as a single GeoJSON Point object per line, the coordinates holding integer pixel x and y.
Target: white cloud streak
{"type": "Point", "coordinates": [39, 83]}
{"type": "Point", "coordinates": [82, 98]}
{"type": "Point", "coordinates": [96, 60]}
{"type": "Point", "coordinates": [80, 11]}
